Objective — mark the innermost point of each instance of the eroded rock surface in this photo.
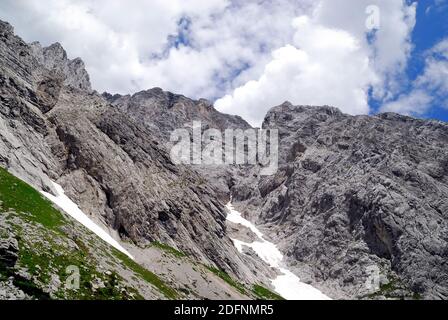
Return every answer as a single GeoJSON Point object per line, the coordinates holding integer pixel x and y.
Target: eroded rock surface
{"type": "Point", "coordinates": [54, 127]}
{"type": "Point", "coordinates": [357, 192]}
{"type": "Point", "coordinates": [351, 192]}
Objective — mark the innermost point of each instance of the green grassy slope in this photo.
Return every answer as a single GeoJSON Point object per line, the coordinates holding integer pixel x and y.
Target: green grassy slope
{"type": "Point", "coordinates": [50, 243]}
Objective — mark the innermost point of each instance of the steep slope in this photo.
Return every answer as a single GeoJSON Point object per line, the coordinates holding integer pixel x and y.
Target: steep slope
{"type": "Point", "coordinates": [356, 193]}
{"type": "Point", "coordinates": [54, 128]}
{"type": "Point", "coordinates": [40, 248]}
{"type": "Point", "coordinates": [44, 254]}
{"type": "Point", "coordinates": [352, 194]}
{"type": "Point", "coordinates": [162, 112]}
{"type": "Point", "coordinates": [165, 111]}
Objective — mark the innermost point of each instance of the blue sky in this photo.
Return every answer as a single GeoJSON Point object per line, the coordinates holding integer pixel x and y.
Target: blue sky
{"type": "Point", "coordinates": [431, 28]}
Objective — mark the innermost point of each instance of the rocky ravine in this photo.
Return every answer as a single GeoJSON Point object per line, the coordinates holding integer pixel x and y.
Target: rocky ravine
{"type": "Point", "coordinates": [54, 127]}
{"type": "Point", "coordinates": [364, 192]}
{"type": "Point", "coordinates": [163, 112]}
{"type": "Point", "coordinates": [45, 254]}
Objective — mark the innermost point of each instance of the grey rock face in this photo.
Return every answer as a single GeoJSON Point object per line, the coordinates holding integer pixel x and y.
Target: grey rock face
{"type": "Point", "coordinates": [22, 124]}
{"type": "Point", "coordinates": [163, 112]}
{"type": "Point", "coordinates": [351, 193]}
{"type": "Point", "coordinates": [54, 58]}
{"type": "Point", "coordinates": [144, 196]}
{"type": "Point", "coordinates": [356, 192]}
{"type": "Point", "coordinates": [8, 248]}
{"type": "Point", "coordinates": [53, 127]}
{"type": "Point", "coordinates": [10, 292]}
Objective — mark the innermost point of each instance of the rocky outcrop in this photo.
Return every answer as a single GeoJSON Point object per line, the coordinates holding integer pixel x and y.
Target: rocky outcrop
{"type": "Point", "coordinates": [138, 190]}
{"type": "Point", "coordinates": [22, 123]}
{"type": "Point", "coordinates": [354, 193]}
{"type": "Point", "coordinates": [54, 58]}
{"type": "Point", "coordinates": [9, 248]}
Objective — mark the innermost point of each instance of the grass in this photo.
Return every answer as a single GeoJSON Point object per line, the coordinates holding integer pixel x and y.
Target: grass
{"type": "Point", "coordinates": [224, 276]}
{"type": "Point", "coordinates": [147, 275]}
{"type": "Point", "coordinates": [167, 248]}
{"type": "Point", "coordinates": [387, 290]}
{"type": "Point", "coordinates": [42, 261]}
{"type": "Point", "coordinates": [22, 198]}
{"type": "Point", "coordinates": [42, 253]}
{"type": "Point", "coordinates": [265, 294]}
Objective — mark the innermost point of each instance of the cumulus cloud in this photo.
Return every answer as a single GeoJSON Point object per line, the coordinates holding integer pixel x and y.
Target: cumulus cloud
{"type": "Point", "coordinates": [332, 59]}
{"type": "Point", "coordinates": [389, 45]}
{"type": "Point", "coordinates": [198, 48]}
{"type": "Point", "coordinates": [254, 54]}
{"type": "Point", "coordinates": [415, 103]}
{"type": "Point", "coordinates": [435, 75]}
{"type": "Point", "coordinates": [324, 66]}
{"type": "Point", "coordinates": [430, 88]}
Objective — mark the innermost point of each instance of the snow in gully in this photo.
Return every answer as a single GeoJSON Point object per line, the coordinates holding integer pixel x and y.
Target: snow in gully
{"type": "Point", "coordinates": [64, 202]}
{"type": "Point", "coordinates": [287, 284]}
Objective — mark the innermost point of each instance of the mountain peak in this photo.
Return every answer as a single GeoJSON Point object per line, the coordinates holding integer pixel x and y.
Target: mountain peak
{"type": "Point", "coordinates": [6, 28]}
{"type": "Point", "coordinates": [55, 59]}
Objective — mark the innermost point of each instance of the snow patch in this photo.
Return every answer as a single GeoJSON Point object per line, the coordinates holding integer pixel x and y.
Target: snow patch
{"type": "Point", "coordinates": [64, 202]}
{"type": "Point", "coordinates": [288, 285]}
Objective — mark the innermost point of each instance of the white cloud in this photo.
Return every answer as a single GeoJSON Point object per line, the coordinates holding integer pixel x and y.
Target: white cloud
{"type": "Point", "coordinates": [431, 87]}
{"type": "Point", "coordinates": [331, 61]}
{"type": "Point", "coordinates": [391, 46]}
{"type": "Point", "coordinates": [415, 103]}
{"type": "Point", "coordinates": [249, 50]}
{"type": "Point", "coordinates": [330, 68]}
{"type": "Point", "coordinates": [231, 40]}
{"type": "Point", "coordinates": [435, 75]}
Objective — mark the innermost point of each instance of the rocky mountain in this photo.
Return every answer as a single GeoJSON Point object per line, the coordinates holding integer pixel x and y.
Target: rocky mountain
{"type": "Point", "coordinates": [357, 193]}
{"type": "Point", "coordinates": [54, 58]}
{"type": "Point", "coordinates": [55, 128]}
{"type": "Point", "coordinates": [45, 254]}
{"type": "Point", "coordinates": [354, 197]}
{"type": "Point", "coordinates": [163, 112]}
{"type": "Point", "coordinates": [364, 192]}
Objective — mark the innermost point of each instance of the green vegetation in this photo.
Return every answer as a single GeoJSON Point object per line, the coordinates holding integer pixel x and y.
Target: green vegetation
{"type": "Point", "coordinates": [257, 290]}
{"type": "Point", "coordinates": [167, 248]}
{"type": "Point", "coordinates": [46, 257]}
{"type": "Point", "coordinates": [47, 248]}
{"type": "Point", "coordinates": [18, 196]}
{"type": "Point", "coordinates": [390, 289]}
{"type": "Point", "coordinates": [224, 276]}
{"type": "Point", "coordinates": [147, 275]}
{"type": "Point", "coordinates": [45, 253]}
{"type": "Point", "coordinates": [265, 294]}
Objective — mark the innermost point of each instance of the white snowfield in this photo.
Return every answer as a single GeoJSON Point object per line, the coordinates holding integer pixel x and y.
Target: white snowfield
{"type": "Point", "coordinates": [64, 202]}
{"type": "Point", "coordinates": [288, 285]}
